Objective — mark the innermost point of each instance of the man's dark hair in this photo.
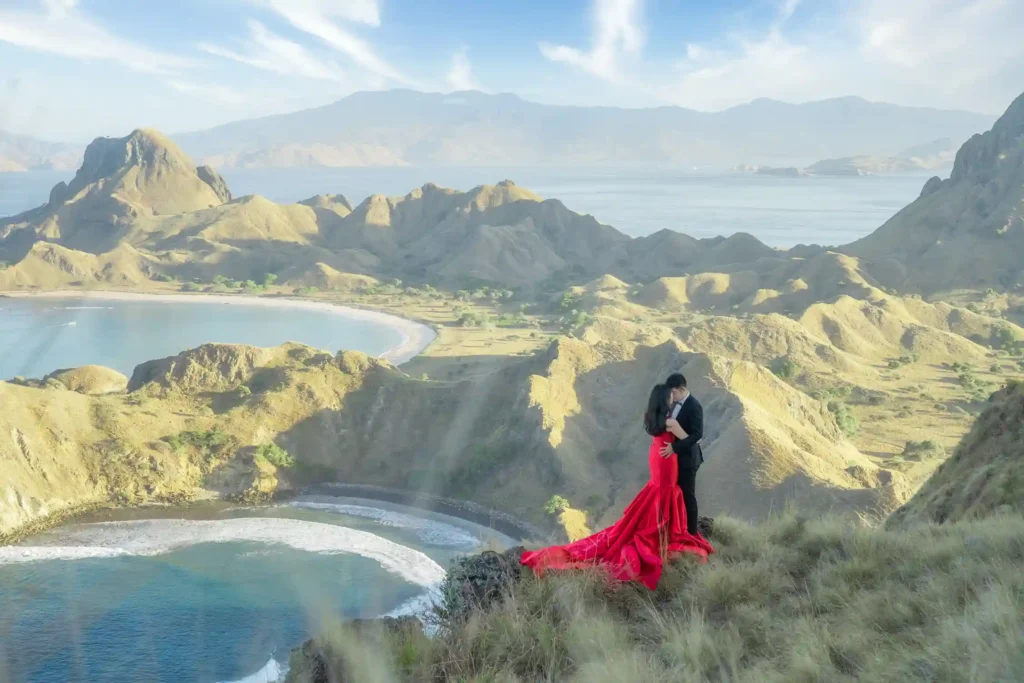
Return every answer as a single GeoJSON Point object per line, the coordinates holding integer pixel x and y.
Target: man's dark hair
{"type": "Point", "coordinates": [676, 381]}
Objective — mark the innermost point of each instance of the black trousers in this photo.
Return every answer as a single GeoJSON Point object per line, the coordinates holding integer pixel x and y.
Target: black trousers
{"type": "Point", "coordinates": [688, 483]}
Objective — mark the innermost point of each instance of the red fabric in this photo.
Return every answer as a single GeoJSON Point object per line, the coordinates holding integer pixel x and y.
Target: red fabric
{"type": "Point", "coordinates": [652, 529]}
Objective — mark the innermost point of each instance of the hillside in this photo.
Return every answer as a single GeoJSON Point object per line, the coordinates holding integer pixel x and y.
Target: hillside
{"type": "Point", "coordinates": [473, 128]}
{"type": "Point", "coordinates": [984, 476]}
{"type": "Point", "coordinates": [795, 596]}
{"type": "Point", "coordinates": [570, 426]}
{"type": "Point", "coordinates": [963, 232]}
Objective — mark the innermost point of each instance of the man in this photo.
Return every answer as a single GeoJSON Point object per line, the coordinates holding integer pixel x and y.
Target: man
{"type": "Point", "coordinates": [688, 412]}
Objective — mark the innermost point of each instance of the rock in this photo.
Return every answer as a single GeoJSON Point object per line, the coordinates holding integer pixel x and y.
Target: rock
{"type": "Point", "coordinates": [323, 659]}
{"type": "Point", "coordinates": [705, 526]}
{"type": "Point", "coordinates": [478, 581]}
{"type": "Point", "coordinates": [89, 379]}
{"type": "Point", "coordinates": [932, 185]}
{"type": "Point", "coordinates": [210, 367]}
{"type": "Point", "coordinates": [215, 181]}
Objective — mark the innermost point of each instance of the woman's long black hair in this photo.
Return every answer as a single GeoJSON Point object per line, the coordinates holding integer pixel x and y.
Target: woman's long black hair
{"type": "Point", "coordinates": [657, 410]}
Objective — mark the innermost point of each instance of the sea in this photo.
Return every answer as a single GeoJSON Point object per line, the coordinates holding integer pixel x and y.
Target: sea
{"type": "Point", "coordinates": [638, 200]}
{"type": "Point", "coordinates": [221, 594]}
{"type": "Point", "coordinates": [39, 336]}
{"type": "Point", "coordinates": [217, 593]}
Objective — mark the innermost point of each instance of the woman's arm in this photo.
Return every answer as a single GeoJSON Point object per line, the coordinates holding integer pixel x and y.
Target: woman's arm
{"type": "Point", "coordinates": [673, 426]}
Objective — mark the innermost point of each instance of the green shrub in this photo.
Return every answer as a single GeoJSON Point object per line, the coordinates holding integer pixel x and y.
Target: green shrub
{"type": "Point", "coordinates": [474, 319]}
{"type": "Point", "coordinates": [915, 449]}
{"type": "Point", "coordinates": [209, 444]}
{"type": "Point", "coordinates": [1006, 338]}
{"type": "Point", "coordinates": [306, 291]}
{"type": "Point", "coordinates": [269, 279]}
{"type": "Point", "coordinates": [845, 420]}
{"type": "Point", "coordinates": [191, 287]}
{"type": "Point", "coordinates": [556, 505]}
{"type": "Point", "coordinates": [275, 455]}
{"type": "Point", "coordinates": [785, 368]}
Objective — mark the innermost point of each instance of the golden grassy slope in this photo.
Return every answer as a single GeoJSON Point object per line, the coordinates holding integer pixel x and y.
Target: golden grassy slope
{"type": "Point", "coordinates": [984, 476]}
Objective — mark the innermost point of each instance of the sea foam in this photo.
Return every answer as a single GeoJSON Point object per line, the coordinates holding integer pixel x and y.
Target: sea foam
{"type": "Point", "coordinates": [160, 536]}
{"type": "Point", "coordinates": [430, 532]}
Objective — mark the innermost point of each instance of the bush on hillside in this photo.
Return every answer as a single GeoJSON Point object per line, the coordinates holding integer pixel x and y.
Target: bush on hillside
{"type": "Point", "coordinates": [275, 455]}
{"type": "Point", "coordinates": [917, 449]}
{"type": "Point", "coordinates": [785, 368]}
{"type": "Point", "coordinates": [209, 444]}
{"type": "Point", "coordinates": [556, 505]}
{"type": "Point", "coordinates": [845, 420]}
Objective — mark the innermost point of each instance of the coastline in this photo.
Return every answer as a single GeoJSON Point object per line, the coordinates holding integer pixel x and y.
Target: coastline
{"type": "Point", "coordinates": [416, 336]}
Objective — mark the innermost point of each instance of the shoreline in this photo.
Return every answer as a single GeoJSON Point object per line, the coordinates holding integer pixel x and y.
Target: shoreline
{"type": "Point", "coordinates": [466, 511]}
{"type": "Point", "coordinates": [415, 336]}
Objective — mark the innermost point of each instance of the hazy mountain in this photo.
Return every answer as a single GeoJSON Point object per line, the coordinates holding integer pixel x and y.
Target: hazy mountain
{"type": "Point", "coordinates": [23, 153]}
{"type": "Point", "coordinates": [408, 127]}
{"type": "Point", "coordinates": [963, 232]}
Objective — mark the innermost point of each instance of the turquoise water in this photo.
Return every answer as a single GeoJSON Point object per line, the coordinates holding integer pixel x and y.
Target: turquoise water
{"type": "Point", "coordinates": [638, 200]}
{"type": "Point", "coordinates": [40, 336]}
{"type": "Point", "coordinates": [216, 599]}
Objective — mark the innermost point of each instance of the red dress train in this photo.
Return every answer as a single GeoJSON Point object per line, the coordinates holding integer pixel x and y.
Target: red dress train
{"type": "Point", "coordinates": [652, 529]}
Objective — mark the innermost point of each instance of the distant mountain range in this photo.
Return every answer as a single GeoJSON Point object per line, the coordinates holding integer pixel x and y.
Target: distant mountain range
{"type": "Point", "coordinates": [405, 127]}
{"type": "Point", "coordinates": [141, 198]}
{"type": "Point", "coordinates": [399, 127]}
{"type": "Point", "coordinates": [23, 153]}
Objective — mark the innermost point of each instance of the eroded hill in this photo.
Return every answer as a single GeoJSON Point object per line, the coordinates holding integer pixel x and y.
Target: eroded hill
{"type": "Point", "coordinates": [217, 418]}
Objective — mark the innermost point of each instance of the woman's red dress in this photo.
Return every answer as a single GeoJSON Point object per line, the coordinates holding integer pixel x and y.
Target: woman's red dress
{"type": "Point", "coordinates": [652, 529]}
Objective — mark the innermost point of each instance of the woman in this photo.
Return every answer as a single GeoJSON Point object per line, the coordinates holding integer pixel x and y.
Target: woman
{"type": "Point", "coordinates": [651, 529]}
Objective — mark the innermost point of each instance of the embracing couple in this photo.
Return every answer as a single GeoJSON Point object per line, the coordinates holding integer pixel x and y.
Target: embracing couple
{"type": "Point", "coordinates": [662, 519]}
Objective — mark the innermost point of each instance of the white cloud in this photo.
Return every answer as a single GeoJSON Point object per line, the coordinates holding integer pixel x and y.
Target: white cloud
{"type": "Point", "coordinates": [946, 53]}
{"type": "Point", "coordinates": [317, 18]}
{"type": "Point", "coordinates": [617, 32]}
{"type": "Point", "coordinates": [460, 75]}
{"type": "Point", "coordinates": [270, 52]}
{"type": "Point", "coordinates": [360, 11]}
{"type": "Point", "coordinates": [57, 27]}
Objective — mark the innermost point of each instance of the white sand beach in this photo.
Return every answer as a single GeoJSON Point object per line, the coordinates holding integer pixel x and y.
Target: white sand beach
{"type": "Point", "coordinates": [415, 336]}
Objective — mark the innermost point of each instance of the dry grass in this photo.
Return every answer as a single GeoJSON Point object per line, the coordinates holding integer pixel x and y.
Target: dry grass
{"type": "Point", "coordinates": [789, 600]}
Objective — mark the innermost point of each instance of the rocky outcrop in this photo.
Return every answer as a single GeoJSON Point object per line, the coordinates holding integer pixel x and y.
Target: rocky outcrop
{"type": "Point", "coordinates": [210, 367]}
{"type": "Point", "coordinates": [216, 182]}
{"type": "Point", "coordinates": [478, 581]}
{"type": "Point", "coordinates": [932, 185]}
{"type": "Point", "coordinates": [337, 655]}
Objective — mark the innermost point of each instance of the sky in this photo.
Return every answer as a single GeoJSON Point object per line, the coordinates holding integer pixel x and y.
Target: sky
{"type": "Point", "coordinates": [71, 70]}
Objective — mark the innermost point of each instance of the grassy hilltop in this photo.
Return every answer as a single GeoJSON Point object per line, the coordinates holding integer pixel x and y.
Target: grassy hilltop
{"type": "Point", "coordinates": [793, 598]}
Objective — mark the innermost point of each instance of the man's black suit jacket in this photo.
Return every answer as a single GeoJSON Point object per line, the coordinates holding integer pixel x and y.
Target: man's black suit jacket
{"type": "Point", "coordinates": [691, 419]}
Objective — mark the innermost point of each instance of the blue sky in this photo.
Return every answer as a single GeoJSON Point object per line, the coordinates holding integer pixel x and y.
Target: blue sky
{"type": "Point", "coordinates": [75, 69]}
